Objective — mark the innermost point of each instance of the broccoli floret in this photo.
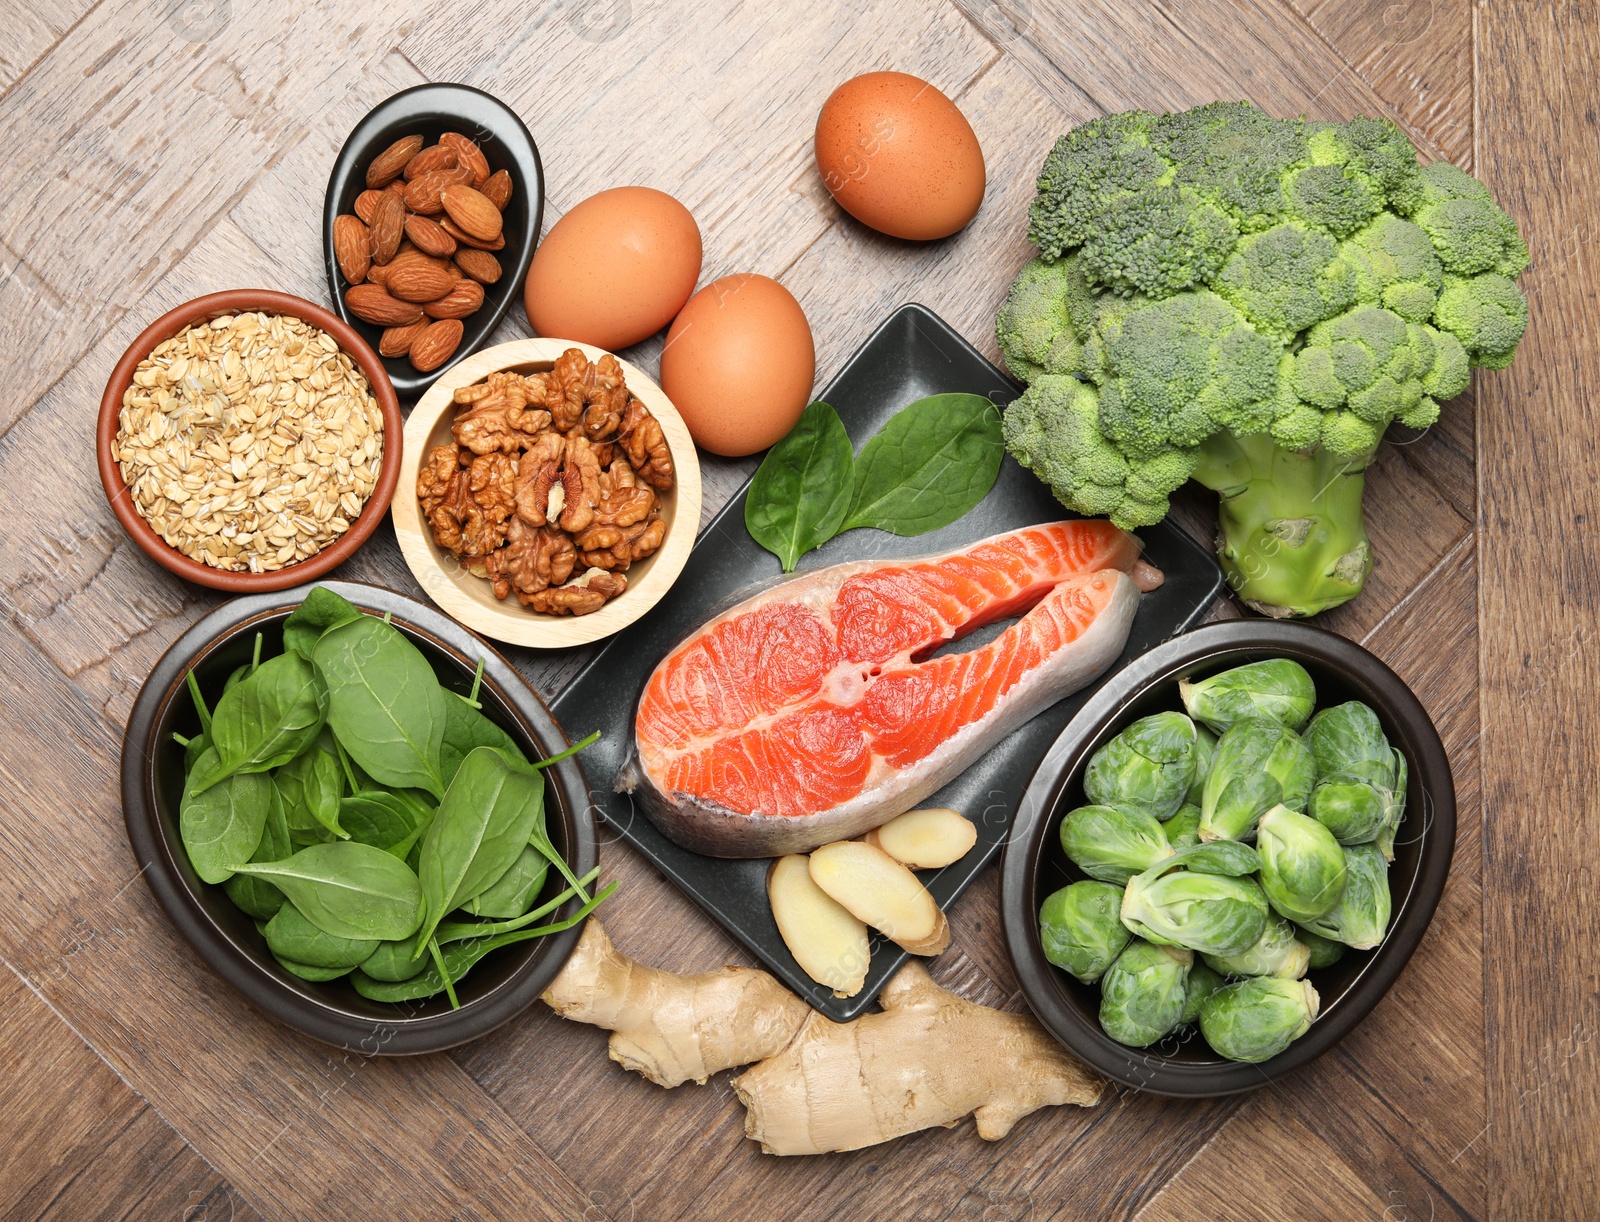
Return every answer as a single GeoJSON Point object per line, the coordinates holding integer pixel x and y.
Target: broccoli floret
{"type": "Point", "coordinates": [1054, 431]}
{"type": "Point", "coordinates": [1104, 159]}
{"type": "Point", "coordinates": [1035, 326]}
{"type": "Point", "coordinates": [1234, 154]}
{"type": "Point", "coordinates": [1242, 297]}
{"type": "Point", "coordinates": [1487, 313]}
{"type": "Point", "coordinates": [1469, 230]}
{"type": "Point", "coordinates": [1158, 242]}
{"type": "Point", "coordinates": [1287, 278]}
{"type": "Point", "coordinates": [1172, 372]}
{"type": "Point", "coordinates": [1395, 267]}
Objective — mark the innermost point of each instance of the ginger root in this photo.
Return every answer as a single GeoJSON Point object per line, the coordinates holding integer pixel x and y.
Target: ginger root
{"type": "Point", "coordinates": [928, 1059]}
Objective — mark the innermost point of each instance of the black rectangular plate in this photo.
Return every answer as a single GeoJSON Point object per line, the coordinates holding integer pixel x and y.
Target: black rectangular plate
{"type": "Point", "coordinates": [914, 353]}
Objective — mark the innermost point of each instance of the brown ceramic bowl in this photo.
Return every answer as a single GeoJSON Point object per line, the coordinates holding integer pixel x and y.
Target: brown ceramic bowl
{"type": "Point", "coordinates": [1033, 866]}
{"type": "Point", "coordinates": [214, 305]}
{"type": "Point", "coordinates": [504, 984]}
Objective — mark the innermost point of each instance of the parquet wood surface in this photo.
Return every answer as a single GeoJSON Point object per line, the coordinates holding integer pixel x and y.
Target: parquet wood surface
{"type": "Point", "coordinates": [158, 150]}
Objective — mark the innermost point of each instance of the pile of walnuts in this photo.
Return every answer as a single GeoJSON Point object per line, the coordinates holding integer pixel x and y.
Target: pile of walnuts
{"type": "Point", "coordinates": [550, 474]}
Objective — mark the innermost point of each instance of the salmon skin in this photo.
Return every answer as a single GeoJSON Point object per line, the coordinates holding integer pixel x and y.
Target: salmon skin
{"type": "Point", "coordinates": [811, 711]}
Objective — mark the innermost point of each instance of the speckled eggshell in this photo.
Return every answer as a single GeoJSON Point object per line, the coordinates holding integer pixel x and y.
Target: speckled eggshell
{"type": "Point", "coordinates": [615, 269]}
{"type": "Point", "coordinates": [739, 363]}
{"type": "Point", "coordinates": [899, 156]}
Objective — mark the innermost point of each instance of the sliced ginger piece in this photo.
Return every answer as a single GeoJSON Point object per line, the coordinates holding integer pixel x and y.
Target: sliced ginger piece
{"type": "Point", "coordinates": [875, 888]}
{"type": "Point", "coordinates": [827, 942]}
{"type": "Point", "coordinates": [926, 839]}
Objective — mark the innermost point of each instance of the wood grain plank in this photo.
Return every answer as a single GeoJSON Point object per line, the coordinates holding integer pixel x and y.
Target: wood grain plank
{"type": "Point", "coordinates": [79, 1143]}
{"type": "Point", "coordinates": [31, 30]}
{"type": "Point", "coordinates": [1416, 55]}
{"type": "Point", "coordinates": [282, 1117]}
{"type": "Point", "coordinates": [1537, 429]}
{"type": "Point", "coordinates": [158, 123]}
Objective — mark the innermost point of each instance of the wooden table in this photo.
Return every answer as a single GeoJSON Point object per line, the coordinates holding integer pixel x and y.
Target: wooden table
{"type": "Point", "coordinates": [157, 150]}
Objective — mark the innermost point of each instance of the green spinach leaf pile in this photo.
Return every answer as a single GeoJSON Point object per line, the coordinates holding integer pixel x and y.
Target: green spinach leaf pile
{"type": "Point", "coordinates": [1250, 302]}
{"type": "Point", "coordinates": [375, 824]}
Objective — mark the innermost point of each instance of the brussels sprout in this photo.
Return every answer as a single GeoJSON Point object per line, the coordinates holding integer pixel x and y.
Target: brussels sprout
{"type": "Point", "coordinates": [1397, 808]}
{"type": "Point", "coordinates": [1349, 738]}
{"type": "Point", "coordinates": [1258, 1018]}
{"type": "Point", "coordinates": [1146, 768]}
{"type": "Point", "coordinates": [1360, 793]}
{"type": "Point", "coordinates": [1081, 929]}
{"type": "Point", "coordinates": [1218, 857]}
{"type": "Point", "coordinates": [1205, 749]}
{"type": "Point", "coordinates": [1142, 994]}
{"type": "Point", "coordinates": [1277, 953]}
{"type": "Point", "coordinates": [1112, 845]}
{"type": "Point", "coordinates": [1361, 917]}
{"type": "Point", "coordinates": [1183, 829]}
{"type": "Point", "coordinates": [1325, 952]}
{"type": "Point", "coordinates": [1258, 765]}
{"type": "Point", "coordinates": [1302, 865]}
{"type": "Point", "coordinates": [1202, 983]}
{"type": "Point", "coordinates": [1275, 690]}
{"type": "Point", "coordinates": [1354, 810]}
{"type": "Point", "coordinates": [1208, 913]}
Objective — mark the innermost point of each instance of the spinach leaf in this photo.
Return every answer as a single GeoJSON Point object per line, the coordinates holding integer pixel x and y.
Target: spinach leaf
{"type": "Point", "coordinates": [307, 972]}
{"type": "Point", "coordinates": [194, 749]}
{"type": "Point", "coordinates": [347, 889]}
{"type": "Point", "coordinates": [202, 710]}
{"type": "Point", "coordinates": [802, 489]}
{"type": "Point", "coordinates": [385, 706]}
{"type": "Point", "coordinates": [380, 819]}
{"type": "Point", "coordinates": [459, 958]}
{"type": "Point", "coordinates": [455, 931]}
{"type": "Point", "coordinates": [932, 463]}
{"type": "Point", "coordinates": [512, 894]}
{"type": "Point", "coordinates": [465, 728]}
{"type": "Point", "coordinates": [220, 822]}
{"type": "Point", "coordinates": [256, 896]}
{"type": "Point", "coordinates": [394, 961]}
{"type": "Point", "coordinates": [485, 820]}
{"type": "Point", "coordinates": [290, 936]}
{"type": "Point", "coordinates": [322, 610]}
{"type": "Point", "coordinates": [269, 718]}
{"type": "Point", "coordinates": [311, 785]}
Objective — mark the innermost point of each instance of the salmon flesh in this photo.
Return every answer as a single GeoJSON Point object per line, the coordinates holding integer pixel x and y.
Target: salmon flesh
{"type": "Point", "coordinates": [812, 712]}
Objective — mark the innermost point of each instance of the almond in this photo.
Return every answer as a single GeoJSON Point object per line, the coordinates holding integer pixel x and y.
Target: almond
{"type": "Point", "coordinates": [423, 192]}
{"type": "Point", "coordinates": [416, 277]}
{"type": "Point", "coordinates": [439, 157]}
{"type": "Point", "coordinates": [371, 304]}
{"type": "Point", "coordinates": [498, 189]}
{"type": "Point", "coordinates": [386, 166]}
{"type": "Point", "coordinates": [466, 239]}
{"type": "Point", "coordinates": [366, 204]}
{"type": "Point", "coordinates": [436, 345]}
{"type": "Point", "coordinates": [352, 247]}
{"type": "Point", "coordinates": [462, 299]}
{"type": "Point", "coordinates": [472, 212]}
{"type": "Point", "coordinates": [377, 274]}
{"type": "Point", "coordinates": [388, 226]}
{"type": "Point", "coordinates": [479, 264]}
{"type": "Point", "coordinates": [468, 154]}
{"type": "Point", "coordinates": [397, 187]}
{"type": "Point", "coordinates": [397, 341]}
{"type": "Point", "coordinates": [429, 238]}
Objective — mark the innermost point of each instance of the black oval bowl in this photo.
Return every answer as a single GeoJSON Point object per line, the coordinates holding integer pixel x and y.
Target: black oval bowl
{"type": "Point", "coordinates": [498, 988]}
{"type": "Point", "coordinates": [430, 111]}
{"type": "Point", "coordinates": [1034, 865]}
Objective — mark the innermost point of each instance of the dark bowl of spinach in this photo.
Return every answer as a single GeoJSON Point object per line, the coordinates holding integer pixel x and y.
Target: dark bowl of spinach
{"type": "Point", "coordinates": [506, 980]}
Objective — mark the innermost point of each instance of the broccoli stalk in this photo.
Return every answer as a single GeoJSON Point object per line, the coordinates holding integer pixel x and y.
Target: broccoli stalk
{"type": "Point", "coordinates": [1290, 533]}
{"type": "Point", "coordinates": [1249, 302]}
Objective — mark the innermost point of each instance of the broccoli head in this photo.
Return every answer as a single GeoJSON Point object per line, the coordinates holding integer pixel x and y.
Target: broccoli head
{"type": "Point", "coordinates": [1249, 302]}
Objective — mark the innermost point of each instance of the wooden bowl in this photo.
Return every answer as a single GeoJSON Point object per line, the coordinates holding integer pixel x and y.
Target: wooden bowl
{"type": "Point", "coordinates": [1182, 1064]}
{"type": "Point", "coordinates": [215, 305]}
{"type": "Point", "coordinates": [470, 599]}
{"type": "Point", "coordinates": [499, 988]}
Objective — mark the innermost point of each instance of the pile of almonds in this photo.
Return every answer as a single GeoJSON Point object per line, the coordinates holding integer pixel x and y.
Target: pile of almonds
{"type": "Point", "coordinates": [417, 252]}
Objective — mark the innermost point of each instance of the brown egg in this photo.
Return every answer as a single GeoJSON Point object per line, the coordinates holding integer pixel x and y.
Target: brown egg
{"type": "Point", "coordinates": [615, 269]}
{"type": "Point", "coordinates": [899, 156]}
{"type": "Point", "coordinates": [738, 364]}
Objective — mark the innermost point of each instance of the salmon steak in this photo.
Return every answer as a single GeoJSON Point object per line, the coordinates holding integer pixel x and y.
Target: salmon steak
{"type": "Point", "coordinates": [813, 711]}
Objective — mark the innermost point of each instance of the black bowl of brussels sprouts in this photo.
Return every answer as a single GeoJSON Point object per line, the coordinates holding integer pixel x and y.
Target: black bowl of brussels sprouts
{"type": "Point", "coordinates": [1229, 919]}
